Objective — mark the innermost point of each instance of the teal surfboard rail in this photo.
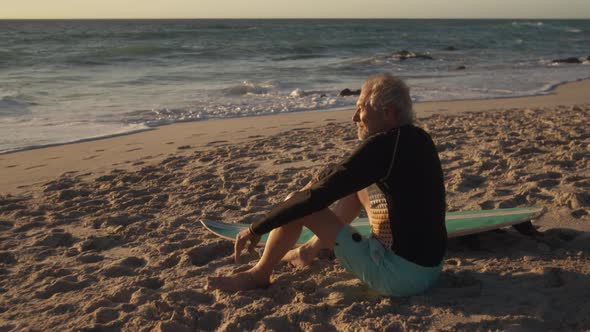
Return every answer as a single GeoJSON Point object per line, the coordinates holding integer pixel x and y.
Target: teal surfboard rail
{"type": "Point", "coordinates": [458, 223]}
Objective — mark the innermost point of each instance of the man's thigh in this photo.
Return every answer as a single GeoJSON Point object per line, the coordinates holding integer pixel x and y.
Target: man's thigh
{"type": "Point", "coordinates": [379, 267]}
{"type": "Point", "coordinates": [325, 224]}
{"type": "Point", "coordinates": [347, 208]}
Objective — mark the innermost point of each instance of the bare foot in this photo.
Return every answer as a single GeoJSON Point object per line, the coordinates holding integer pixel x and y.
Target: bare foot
{"type": "Point", "coordinates": [236, 282]}
{"type": "Point", "coordinates": [242, 269]}
{"type": "Point", "coordinates": [300, 257]}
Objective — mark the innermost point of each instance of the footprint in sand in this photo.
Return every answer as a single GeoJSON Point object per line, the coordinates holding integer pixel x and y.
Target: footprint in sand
{"type": "Point", "coordinates": [133, 262]}
{"type": "Point", "coordinates": [7, 257]}
{"type": "Point", "coordinates": [217, 142]}
{"type": "Point", "coordinates": [151, 283]}
{"type": "Point", "coordinates": [105, 315]}
{"type": "Point", "coordinates": [121, 294]}
{"type": "Point", "coordinates": [123, 267]}
{"type": "Point", "coordinates": [99, 243]}
{"type": "Point", "coordinates": [62, 308]}
{"type": "Point", "coordinates": [36, 166]}
{"type": "Point", "coordinates": [202, 255]}
{"type": "Point", "coordinates": [90, 258]}
{"type": "Point", "coordinates": [187, 297]}
{"type": "Point", "coordinates": [56, 239]}
{"type": "Point", "coordinates": [62, 285]}
{"type": "Point", "coordinates": [25, 227]}
{"type": "Point", "coordinates": [206, 159]}
{"type": "Point", "coordinates": [69, 194]}
{"type": "Point", "coordinates": [461, 284]}
{"type": "Point", "coordinates": [95, 304]}
{"type": "Point", "coordinates": [169, 262]}
{"type": "Point", "coordinates": [6, 225]}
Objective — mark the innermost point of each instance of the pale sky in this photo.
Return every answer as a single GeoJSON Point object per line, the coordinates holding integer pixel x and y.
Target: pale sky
{"type": "Point", "coordinates": [10, 9]}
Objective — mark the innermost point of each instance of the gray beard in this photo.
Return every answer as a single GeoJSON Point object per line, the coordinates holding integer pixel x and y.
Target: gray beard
{"type": "Point", "coordinates": [362, 134]}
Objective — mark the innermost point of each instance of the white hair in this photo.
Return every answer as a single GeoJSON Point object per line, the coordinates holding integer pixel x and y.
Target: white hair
{"type": "Point", "coordinates": [386, 90]}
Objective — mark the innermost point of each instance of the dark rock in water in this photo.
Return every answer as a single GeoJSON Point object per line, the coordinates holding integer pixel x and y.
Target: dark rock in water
{"type": "Point", "coordinates": [323, 95]}
{"type": "Point", "coordinates": [451, 48]}
{"type": "Point", "coordinates": [461, 68]}
{"type": "Point", "coordinates": [567, 60]}
{"type": "Point", "coordinates": [348, 92]}
{"type": "Point", "coordinates": [403, 55]}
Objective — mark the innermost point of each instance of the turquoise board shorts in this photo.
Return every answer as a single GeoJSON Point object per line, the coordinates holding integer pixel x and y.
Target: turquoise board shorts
{"type": "Point", "coordinates": [379, 267]}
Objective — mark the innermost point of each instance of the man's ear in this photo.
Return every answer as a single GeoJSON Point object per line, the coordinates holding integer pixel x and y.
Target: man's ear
{"type": "Point", "coordinates": [392, 115]}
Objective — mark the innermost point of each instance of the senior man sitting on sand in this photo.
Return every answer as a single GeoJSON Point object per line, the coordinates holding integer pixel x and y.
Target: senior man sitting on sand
{"type": "Point", "coordinates": [395, 175]}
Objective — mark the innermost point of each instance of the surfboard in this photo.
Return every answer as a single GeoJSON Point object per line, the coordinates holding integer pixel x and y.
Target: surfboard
{"type": "Point", "coordinates": [458, 223]}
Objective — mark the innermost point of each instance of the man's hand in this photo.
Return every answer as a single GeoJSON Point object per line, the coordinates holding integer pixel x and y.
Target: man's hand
{"type": "Point", "coordinates": [242, 239]}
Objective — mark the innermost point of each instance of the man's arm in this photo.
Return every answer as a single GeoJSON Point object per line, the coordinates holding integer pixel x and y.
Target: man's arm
{"type": "Point", "coordinates": [346, 208]}
{"type": "Point", "coordinates": [368, 164]}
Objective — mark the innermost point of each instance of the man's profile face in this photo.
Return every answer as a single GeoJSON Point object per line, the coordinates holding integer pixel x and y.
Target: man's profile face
{"type": "Point", "coordinates": [368, 120]}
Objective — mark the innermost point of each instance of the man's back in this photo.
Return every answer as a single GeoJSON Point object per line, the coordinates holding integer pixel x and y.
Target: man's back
{"type": "Point", "coordinates": [415, 196]}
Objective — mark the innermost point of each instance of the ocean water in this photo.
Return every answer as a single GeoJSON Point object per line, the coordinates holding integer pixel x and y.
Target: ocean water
{"type": "Point", "coordinates": [63, 81]}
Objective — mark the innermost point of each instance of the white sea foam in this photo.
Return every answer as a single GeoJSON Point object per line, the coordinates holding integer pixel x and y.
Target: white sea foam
{"type": "Point", "coordinates": [231, 69]}
{"type": "Point", "coordinates": [528, 23]}
{"type": "Point", "coordinates": [35, 134]}
{"type": "Point", "coordinates": [297, 93]}
{"type": "Point", "coordinates": [248, 87]}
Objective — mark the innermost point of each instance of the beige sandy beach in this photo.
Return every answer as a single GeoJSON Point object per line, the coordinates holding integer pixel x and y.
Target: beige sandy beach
{"type": "Point", "coordinates": [105, 235]}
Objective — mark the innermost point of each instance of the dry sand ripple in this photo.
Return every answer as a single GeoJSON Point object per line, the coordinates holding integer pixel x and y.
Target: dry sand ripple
{"type": "Point", "coordinates": [125, 251]}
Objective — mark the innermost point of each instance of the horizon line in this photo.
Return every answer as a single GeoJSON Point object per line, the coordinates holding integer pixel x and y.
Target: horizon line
{"type": "Point", "coordinates": [294, 18]}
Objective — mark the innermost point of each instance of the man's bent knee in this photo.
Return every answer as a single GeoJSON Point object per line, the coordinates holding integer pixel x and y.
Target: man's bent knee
{"type": "Point", "coordinates": [325, 224]}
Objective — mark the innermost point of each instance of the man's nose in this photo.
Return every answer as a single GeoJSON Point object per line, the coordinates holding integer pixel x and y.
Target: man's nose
{"type": "Point", "coordinates": [356, 117]}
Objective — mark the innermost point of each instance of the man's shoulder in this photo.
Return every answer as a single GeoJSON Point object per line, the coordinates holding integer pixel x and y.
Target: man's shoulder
{"type": "Point", "coordinates": [416, 132]}
{"type": "Point", "coordinates": [408, 131]}
{"type": "Point", "coordinates": [383, 135]}
{"type": "Point", "coordinates": [408, 135]}
{"type": "Point", "coordinates": [414, 128]}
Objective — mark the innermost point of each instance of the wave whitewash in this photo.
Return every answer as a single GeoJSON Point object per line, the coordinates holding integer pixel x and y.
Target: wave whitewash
{"type": "Point", "coordinates": [67, 80]}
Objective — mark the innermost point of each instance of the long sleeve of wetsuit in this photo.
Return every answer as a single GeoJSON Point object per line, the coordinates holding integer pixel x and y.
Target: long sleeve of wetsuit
{"type": "Point", "coordinates": [369, 163]}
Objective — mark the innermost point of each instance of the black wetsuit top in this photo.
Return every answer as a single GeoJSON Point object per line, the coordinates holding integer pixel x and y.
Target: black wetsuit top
{"type": "Point", "coordinates": [410, 176]}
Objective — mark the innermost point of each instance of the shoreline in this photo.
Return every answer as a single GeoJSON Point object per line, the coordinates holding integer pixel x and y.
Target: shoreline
{"type": "Point", "coordinates": [26, 168]}
{"type": "Point", "coordinates": [552, 90]}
